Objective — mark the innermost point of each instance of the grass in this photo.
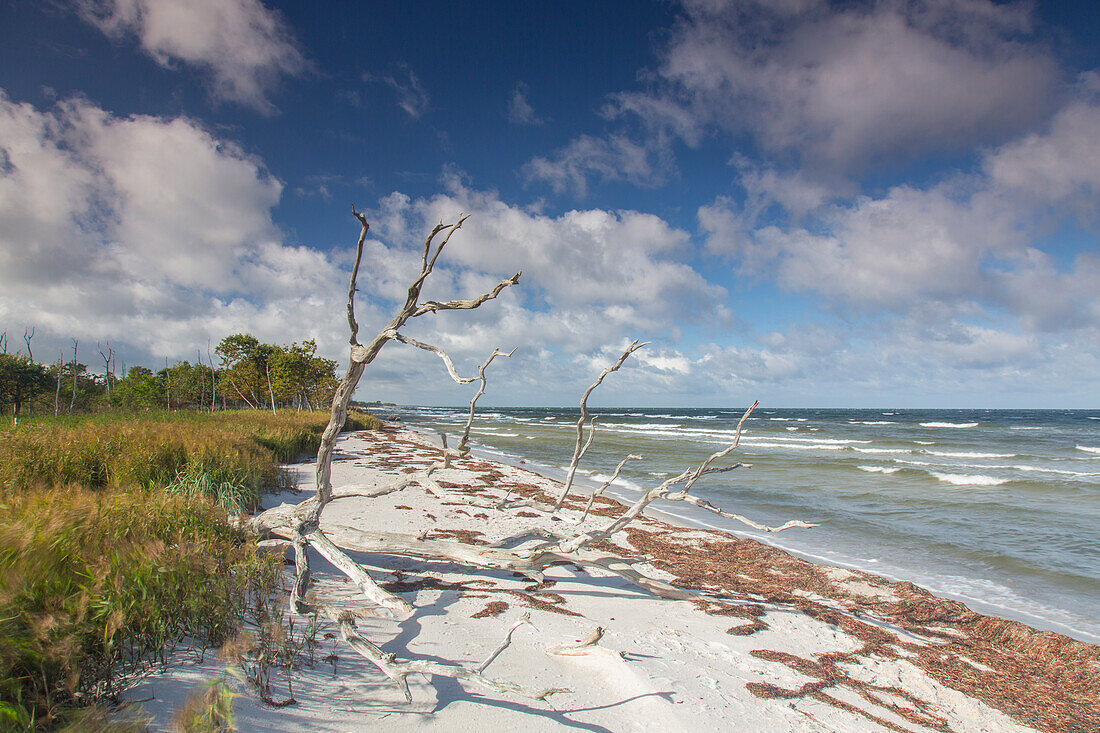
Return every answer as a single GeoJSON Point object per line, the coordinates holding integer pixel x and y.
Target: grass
{"type": "Point", "coordinates": [115, 546]}
{"type": "Point", "coordinates": [231, 456]}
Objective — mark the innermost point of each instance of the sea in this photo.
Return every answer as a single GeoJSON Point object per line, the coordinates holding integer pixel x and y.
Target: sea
{"type": "Point", "coordinates": [999, 509]}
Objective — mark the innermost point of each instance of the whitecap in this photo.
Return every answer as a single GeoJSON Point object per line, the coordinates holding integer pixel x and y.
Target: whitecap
{"type": "Point", "coordinates": [1025, 428]}
{"type": "Point", "coordinates": [1088, 448]}
{"type": "Point", "coordinates": [965, 479]}
{"type": "Point", "coordinates": [797, 446]}
{"type": "Point", "coordinates": [872, 422]}
{"type": "Point", "coordinates": [878, 469]}
{"type": "Point", "coordinates": [793, 428]}
{"type": "Point", "coordinates": [925, 442]}
{"type": "Point", "coordinates": [883, 450]}
{"type": "Point", "coordinates": [949, 424]}
{"type": "Point", "coordinates": [963, 454]}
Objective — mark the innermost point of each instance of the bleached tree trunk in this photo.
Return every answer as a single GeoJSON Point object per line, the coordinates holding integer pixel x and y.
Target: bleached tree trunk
{"type": "Point", "coordinates": [57, 394]}
{"type": "Point", "coordinates": [72, 400]}
{"type": "Point", "coordinates": [270, 389]}
{"type": "Point", "coordinates": [28, 336]}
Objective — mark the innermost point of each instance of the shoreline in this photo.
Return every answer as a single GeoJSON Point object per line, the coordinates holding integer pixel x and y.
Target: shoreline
{"type": "Point", "coordinates": [688, 521]}
{"type": "Point", "coordinates": [776, 642]}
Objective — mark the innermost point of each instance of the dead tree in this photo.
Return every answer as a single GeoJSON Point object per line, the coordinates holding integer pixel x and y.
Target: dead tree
{"type": "Point", "coordinates": [28, 335]}
{"type": "Point", "coordinates": [57, 394]}
{"type": "Point", "coordinates": [72, 400]}
{"type": "Point", "coordinates": [300, 524]}
{"type": "Point", "coordinates": [106, 356]}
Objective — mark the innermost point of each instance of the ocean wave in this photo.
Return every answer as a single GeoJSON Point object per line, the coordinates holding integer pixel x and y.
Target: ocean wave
{"type": "Point", "coordinates": [798, 446]}
{"type": "Point", "coordinates": [1017, 467]}
{"type": "Point", "coordinates": [883, 450]}
{"type": "Point", "coordinates": [794, 439]}
{"type": "Point", "coordinates": [1024, 428]}
{"type": "Point", "coordinates": [925, 442]}
{"type": "Point", "coordinates": [966, 479]}
{"type": "Point", "coordinates": [964, 454]}
{"type": "Point", "coordinates": [878, 469]}
{"type": "Point", "coordinates": [872, 422]}
{"type": "Point", "coordinates": [949, 424]}
{"type": "Point", "coordinates": [1088, 448]}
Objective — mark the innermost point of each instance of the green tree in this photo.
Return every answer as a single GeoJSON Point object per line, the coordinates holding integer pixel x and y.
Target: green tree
{"type": "Point", "coordinates": [140, 389]}
{"type": "Point", "coordinates": [21, 381]}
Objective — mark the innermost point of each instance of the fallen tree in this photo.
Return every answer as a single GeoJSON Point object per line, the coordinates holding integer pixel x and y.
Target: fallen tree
{"type": "Point", "coordinates": [297, 527]}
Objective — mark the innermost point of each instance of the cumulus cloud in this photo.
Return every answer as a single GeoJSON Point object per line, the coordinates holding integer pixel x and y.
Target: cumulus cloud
{"type": "Point", "coordinates": [968, 242]}
{"type": "Point", "coordinates": [147, 230]}
{"type": "Point", "coordinates": [243, 47]}
{"type": "Point", "coordinates": [848, 86]}
{"type": "Point", "coordinates": [835, 88]}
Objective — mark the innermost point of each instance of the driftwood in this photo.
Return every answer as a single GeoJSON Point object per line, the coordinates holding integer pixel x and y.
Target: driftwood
{"type": "Point", "coordinates": [530, 554]}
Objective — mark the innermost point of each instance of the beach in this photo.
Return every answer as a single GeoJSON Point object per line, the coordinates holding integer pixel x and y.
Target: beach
{"type": "Point", "coordinates": [772, 642]}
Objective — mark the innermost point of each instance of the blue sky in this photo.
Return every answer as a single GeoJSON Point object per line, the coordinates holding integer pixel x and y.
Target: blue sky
{"type": "Point", "coordinates": [809, 203]}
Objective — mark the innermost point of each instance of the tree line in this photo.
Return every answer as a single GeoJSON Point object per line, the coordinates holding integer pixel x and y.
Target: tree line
{"type": "Point", "coordinates": [249, 374]}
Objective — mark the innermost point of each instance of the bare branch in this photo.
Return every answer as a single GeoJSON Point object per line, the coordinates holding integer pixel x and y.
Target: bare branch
{"type": "Point", "coordinates": [432, 306]}
{"type": "Point", "coordinates": [352, 325]}
{"type": "Point", "coordinates": [473, 401]}
{"type": "Point", "coordinates": [27, 336]}
{"type": "Point", "coordinates": [603, 487]}
{"type": "Point", "coordinates": [578, 451]}
{"type": "Point", "coordinates": [395, 336]}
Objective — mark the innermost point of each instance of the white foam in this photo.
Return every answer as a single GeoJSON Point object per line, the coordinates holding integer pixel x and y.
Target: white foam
{"type": "Point", "coordinates": [963, 454]}
{"type": "Point", "coordinates": [872, 422]}
{"type": "Point", "coordinates": [793, 428]}
{"type": "Point", "coordinates": [925, 442]}
{"type": "Point", "coordinates": [816, 441]}
{"type": "Point", "coordinates": [798, 446]}
{"type": "Point", "coordinates": [1088, 448]}
{"type": "Point", "coordinates": [949, 424]}
{"type": "Point", "coordinates": [964, 479]}
{"type": "Point", "coordinates": [883, 450]}
{"type": "Point", "coordinates": [1025, 428]}
{"type": "Point", "coordinates": [878, 469]}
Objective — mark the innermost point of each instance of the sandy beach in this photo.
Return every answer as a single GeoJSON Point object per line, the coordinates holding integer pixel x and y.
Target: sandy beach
{"type": "Point", "coordinates": [771, 643]}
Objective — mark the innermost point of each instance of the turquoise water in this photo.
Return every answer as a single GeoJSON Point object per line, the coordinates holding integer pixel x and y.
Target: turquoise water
{"type": "Point", "coordinates": [997, 508]}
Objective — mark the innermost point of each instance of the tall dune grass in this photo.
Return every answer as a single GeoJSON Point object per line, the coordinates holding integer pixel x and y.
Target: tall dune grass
{"type": "Point", "coordinates": [115, 545]}
{"type": "Point", "coordinates": [234, 455]}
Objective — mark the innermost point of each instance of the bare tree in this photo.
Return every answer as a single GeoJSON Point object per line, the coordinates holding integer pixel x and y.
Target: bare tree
{"type": "Point", "coordinates": [27, 336]}
{"type": "Point", "coordinates": [106, 365]}
{"type": "Point", "coordinates": [72, 400]}
{"type": "Point", "coordinates": [57, 394]}
{"type": "Point", "coordinates": [4, 342]}
{"type": "Point", "coordinates": [300, 524]}
{"type": "Point", "coordinates": [213, 378]}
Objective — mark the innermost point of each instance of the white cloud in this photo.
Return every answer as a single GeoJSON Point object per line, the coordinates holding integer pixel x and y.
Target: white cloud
{"type": "Point", "coordinates": [616, 158]}
{"type": "Point", "coordinates": [969, 242]}
{"type": "Point", "coordinates": [148, 231]}
{"type": "Point", "coordinates": [520, 111]}
{"type": "Point", "coordinates": [1060, 165]}
{"type": "Point", "coordinates": [244, 47]}
{"type": "Point", "coordinates": [852, 86]}
{"type": "Point", "coordinates": [836, 89]}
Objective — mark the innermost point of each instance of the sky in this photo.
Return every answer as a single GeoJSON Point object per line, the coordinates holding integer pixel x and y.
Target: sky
{"type": "Point", "coordinates": [809, 203]}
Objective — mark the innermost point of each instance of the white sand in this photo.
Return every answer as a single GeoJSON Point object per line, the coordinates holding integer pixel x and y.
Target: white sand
{"type": "Point", "coordinates": [662, 665]}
